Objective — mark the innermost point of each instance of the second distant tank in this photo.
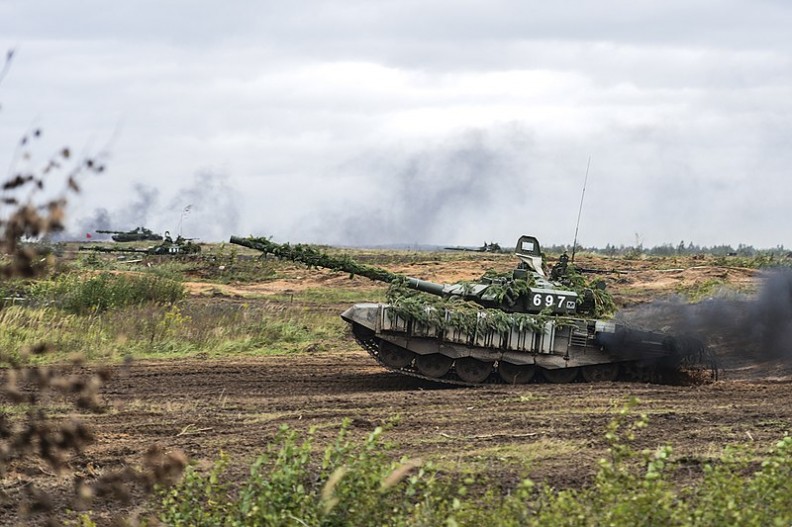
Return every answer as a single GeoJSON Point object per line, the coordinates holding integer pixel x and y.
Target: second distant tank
{"type": "Point", "coordinates": [168, 247]}
{"type": "Point", "coordinates": [136, 235]}
{"type": "Point", "coordinates": [493, 247]}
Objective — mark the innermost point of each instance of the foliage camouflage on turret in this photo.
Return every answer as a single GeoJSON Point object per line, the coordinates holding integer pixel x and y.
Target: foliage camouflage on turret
{"type": "Point", "coordinates": [604, 305]}
{"type": "Point", "coordinates": [462, 315]}
{"type": "Point", "coordinates": [431, 310]}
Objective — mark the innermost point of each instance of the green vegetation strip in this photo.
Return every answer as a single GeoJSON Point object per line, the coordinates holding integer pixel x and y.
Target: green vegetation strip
{"type": "Point", "coordinates": [110, 316]}
{"type": "Point", "coordinates": [358, 483]}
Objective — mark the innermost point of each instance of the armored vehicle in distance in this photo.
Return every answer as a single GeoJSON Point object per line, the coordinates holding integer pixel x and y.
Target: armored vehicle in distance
{"type": "Point", "coordinates": [136, 235]}
{"type": "Point", "coordinates": [168, 247]}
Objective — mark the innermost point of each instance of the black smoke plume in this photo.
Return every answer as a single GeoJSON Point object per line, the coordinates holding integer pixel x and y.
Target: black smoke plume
{"type": "Point", "coordinates": [742, 331]}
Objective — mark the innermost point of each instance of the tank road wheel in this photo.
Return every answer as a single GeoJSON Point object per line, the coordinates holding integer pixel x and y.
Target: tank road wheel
{"type": "Point", "coordinates": [601, 372]}
{"type": "Point", "coordinates": [394, 356]}
{"type": "Point", "coordinates": [561, 375]}
{"type": "Point", "coordinates": [433, 365]}
{"type": "Point", "coordinates": [514, 374]}
{"type": "Point", "coordinates": [473, 370]}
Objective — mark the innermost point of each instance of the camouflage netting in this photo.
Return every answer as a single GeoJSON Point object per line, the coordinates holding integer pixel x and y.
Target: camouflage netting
{"type": "Point", "coordinates": [458, 314]}
{"type": "Point", "coordinates": [604, 306]}
{"type": "Point", "coordinates": [313, 257]}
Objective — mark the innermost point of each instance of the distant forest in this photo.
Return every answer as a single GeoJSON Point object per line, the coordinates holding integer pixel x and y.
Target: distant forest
{"type": "Point", "coordinates": [668, 249]}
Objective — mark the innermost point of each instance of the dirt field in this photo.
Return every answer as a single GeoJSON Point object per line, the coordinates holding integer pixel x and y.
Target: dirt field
{"type": "Point", "coordinates": [552, 433]}
{"type": "Point", "coordinates": [238, 405]}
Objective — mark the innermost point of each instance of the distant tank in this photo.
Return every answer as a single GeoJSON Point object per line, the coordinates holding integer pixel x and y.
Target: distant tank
{"type": "Point", "coordinates": [136, 235]}
{"type": "Point", "coordinates": [524, 324]}
{"type": "Point", "coordinates": [493, 247]}
{"type": "Point", "coordinates": [168, 247]}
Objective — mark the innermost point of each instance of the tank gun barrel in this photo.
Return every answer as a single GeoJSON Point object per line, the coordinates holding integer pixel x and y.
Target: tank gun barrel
{"type": "Point", "coordinates": [105, 231]}
{"type": "Point", "coordinates": [315, 258]}
{"type": "Point", "coordinates": [111, 250]}
{"type": "Point", "coordinates": [508, 295]}
{"type": "Point", "coordinates": [428, 287]}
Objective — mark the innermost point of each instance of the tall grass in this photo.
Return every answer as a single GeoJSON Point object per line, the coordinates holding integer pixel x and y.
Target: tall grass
{"type": "Point", "coordinates": [83, 294]}
{"type": "Point", "coordinates": [152, 331]}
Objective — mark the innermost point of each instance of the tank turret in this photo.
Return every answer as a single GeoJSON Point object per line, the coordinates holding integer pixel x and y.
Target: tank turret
{"type": "Point", "coordinates": [526, 290]}
{"type": "Point", "coordinates": [524, 323]}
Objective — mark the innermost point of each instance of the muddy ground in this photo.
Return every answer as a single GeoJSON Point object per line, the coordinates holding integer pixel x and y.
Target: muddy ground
{"type": "Point", "coordinates": [551, 433]}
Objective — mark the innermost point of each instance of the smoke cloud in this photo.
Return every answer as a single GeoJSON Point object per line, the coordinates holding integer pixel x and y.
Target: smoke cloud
{"type": "Point", "coordinates": [467, 188]}
{"type": "Point", "coordinates": [206, 208]}
{"type": "Point", "coordinates": [741, 331]}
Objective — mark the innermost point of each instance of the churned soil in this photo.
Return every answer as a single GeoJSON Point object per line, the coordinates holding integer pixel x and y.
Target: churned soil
{"type": "Point", "coordinates": [550, 433]}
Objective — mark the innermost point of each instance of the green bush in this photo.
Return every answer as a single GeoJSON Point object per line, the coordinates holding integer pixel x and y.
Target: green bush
{"type": "Point", "coordinates": [104, 291]}
{"type": "Point", "coordinates": [349, 483]}
{"type": "Point", "coordinates": [357, 484]}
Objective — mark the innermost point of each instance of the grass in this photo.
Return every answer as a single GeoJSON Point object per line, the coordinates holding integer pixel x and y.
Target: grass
{"type": "Point", "coordinates": [103, 314]}
{"type": "Point", "coordinates": [177, 330]}
{"type": "Point", "coordinates": [328, 295]}
{"type": "Point", "coordinates": [480, 460]}
{"type": "Point", "coordinates": [698, 291]}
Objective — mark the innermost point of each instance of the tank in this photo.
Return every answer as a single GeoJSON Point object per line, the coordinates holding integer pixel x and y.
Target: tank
{"type": "Point", "coordinates": [168, 247]}
{"type": "Point", "coordinates": [135, 235]}
{"type": "Point", "coordinates": [517, 328]}
{"type": "Point", "coordinates": [493, 247]}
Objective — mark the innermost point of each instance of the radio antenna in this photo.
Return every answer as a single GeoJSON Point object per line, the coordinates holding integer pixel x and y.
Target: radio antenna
{"type": "Point", "coordinates": [580, 210]}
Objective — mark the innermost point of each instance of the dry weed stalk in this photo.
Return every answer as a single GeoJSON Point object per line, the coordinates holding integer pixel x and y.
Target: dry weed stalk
{"type": "Point", "coordinates": [29, 433]}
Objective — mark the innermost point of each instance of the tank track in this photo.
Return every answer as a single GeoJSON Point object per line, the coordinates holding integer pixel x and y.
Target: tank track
{"type": "Point", "coordinates": [371, 344]}
{"type": "Point", "coordinates": [631, 370]}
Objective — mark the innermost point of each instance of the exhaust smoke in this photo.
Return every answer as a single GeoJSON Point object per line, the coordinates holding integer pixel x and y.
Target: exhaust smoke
{"type": "Point", "coordinates": [743, 331]}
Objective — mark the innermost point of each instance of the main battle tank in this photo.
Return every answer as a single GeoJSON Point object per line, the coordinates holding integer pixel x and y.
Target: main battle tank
{"type": "Point", "coordinates": [523, 324]}
{"type": "Point", "coordinates": [135, 235]}
{"type": "Point", "coordinates": [182, 246]}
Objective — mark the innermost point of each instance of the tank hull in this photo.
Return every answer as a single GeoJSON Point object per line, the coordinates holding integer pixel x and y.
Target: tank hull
{"type": "Point", "coordinates": [585, 349]}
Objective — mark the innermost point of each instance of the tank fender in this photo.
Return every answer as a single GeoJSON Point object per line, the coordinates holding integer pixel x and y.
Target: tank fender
{"type": "Point", "coordinates": [366, 315]}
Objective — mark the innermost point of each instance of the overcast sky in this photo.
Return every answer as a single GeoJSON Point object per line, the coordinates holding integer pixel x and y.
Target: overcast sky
{"type": "Point", "coordinates": [433, 122]}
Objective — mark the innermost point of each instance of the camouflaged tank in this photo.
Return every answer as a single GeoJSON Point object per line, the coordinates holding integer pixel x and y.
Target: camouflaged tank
{"type": "Point", "coordinates": [136, 235]}
{"type": "Point", "coordinates": [521, 327]}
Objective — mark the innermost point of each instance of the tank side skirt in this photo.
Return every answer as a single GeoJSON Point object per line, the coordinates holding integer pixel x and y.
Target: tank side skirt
{"type": "Point", "coordinates": [571, 345]}
{"type": "Point", "coordinates": [555, 347]}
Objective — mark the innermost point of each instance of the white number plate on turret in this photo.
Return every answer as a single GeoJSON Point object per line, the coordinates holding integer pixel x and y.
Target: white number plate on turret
{"type": "Point", "coordinates": [556, 303]}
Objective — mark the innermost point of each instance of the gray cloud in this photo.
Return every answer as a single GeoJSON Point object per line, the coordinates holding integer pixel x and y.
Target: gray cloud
{"type": "Point", "coordinates": [327, 112]}
{"type": "Point", "coordinates": [312, 24]}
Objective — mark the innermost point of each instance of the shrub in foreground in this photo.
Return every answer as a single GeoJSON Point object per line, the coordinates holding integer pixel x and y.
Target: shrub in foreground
{"type": "Point", "coordinates": [349, 483]}
{"type": "Point", "coordinates": [358, 484]}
